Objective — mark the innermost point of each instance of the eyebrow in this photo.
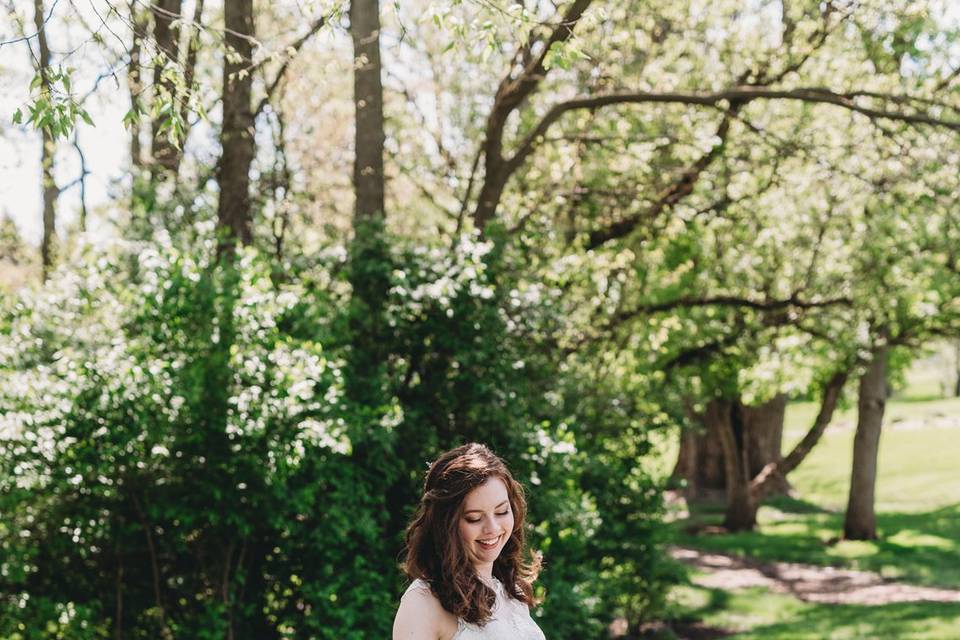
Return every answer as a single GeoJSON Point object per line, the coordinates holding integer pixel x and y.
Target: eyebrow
{"type": "Point", "coordinates": [481, 510]}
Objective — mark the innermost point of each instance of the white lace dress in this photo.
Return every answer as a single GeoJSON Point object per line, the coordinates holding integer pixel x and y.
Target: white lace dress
{"type": "Point", "coordinates": [510, 619]}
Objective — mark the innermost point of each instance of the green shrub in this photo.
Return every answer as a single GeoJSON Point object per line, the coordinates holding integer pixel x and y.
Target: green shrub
{"type": "Point", "coordinates": [182, 453]}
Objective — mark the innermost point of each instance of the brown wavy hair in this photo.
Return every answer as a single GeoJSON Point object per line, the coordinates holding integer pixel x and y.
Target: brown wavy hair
{"type": "Point", "coordinates": [434, 551]}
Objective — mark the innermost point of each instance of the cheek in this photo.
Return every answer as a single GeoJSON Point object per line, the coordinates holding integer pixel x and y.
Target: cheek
{"type": "Point", "coordinates": [467, 532]}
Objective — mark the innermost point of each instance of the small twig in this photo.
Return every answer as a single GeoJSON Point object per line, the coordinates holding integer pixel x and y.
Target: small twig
{"type": "Point", "coordinates": [37, 32]}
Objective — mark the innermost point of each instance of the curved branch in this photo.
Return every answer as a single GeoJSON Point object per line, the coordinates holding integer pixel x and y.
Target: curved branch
{"type": "Point", "coordinates": [511, 93]}
{"type": "Point", "coordinates": [764, 481]}
{"type": "Point", "coordinates": [739, 95]}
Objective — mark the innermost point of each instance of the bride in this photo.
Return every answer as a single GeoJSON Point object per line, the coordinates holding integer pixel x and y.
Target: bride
{"type": "Point", "coordinates": [464, 554]}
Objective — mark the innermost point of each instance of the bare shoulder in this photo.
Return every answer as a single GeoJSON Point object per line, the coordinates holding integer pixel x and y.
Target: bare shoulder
{"type": "Point", "coordinates": [422, 617]}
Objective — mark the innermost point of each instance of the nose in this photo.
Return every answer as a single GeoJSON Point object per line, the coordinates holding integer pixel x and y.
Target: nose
{"type": "Point", "coordinates": [490, 525]}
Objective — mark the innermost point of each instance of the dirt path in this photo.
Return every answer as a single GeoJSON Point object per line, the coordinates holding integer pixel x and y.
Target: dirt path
{"type": "Point", "coordinates": [810, 583]}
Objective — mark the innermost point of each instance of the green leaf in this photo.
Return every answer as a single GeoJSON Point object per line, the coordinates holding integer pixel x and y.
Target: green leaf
{"type": "Point", "coordinates": [17, 116]}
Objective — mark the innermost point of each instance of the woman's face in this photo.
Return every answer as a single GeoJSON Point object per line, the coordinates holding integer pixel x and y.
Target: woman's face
{"type": "Point", "coordinates": [486, 521]}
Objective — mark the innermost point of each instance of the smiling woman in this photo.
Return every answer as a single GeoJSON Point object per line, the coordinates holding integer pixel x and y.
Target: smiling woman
{"type": "Point", "coordinates": [465, 550]}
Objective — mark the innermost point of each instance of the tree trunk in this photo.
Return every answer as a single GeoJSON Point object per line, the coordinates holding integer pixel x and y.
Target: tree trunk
{"type": "Point", "coordinates": [50, 190]}
{"type": "Point", "coordinates": [700, 460]}
{"type": "Point", "coordinates": [365, 373]}
{"type": "Point", "coordinates": [700, 463]}
{"type": "Point", "coordinates": [726, 421]}
{"type": "Point", "coordinates": [237, 135]}
{"type": "Point", "coordinates": [189, 72]}
{"type": "Point", "coordinates": [165, 155]}
{"type": "Point", "coordinates": [956, 386]}
{"type": "Point", "coordinates": [368, 177]}
{"type": "Point", "coordinates": [860, 522]}
{"type": "Point", "coordinates": [369, 257]}
{"type": "Point", "coordinates": [763, 425]}
{"type": "Point", "coordinates": [766, 481]}
{"type": "Point", "coordinates": [135, 84]}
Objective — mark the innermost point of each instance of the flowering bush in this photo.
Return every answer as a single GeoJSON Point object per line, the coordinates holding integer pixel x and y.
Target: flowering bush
{"type": "Point", "coordinates": [182, 452]}
{"type": "Point", "coordinates": [162, 430]}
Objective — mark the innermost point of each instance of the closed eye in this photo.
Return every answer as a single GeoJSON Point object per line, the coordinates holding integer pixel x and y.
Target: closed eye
{"type": "Point", "coordinates": [478, 519]}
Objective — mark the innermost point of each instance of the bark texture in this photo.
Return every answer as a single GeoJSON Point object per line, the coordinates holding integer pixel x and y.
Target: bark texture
{"type": "Point", "coordinates": [700, 464]}
{"type": "Point", "coordinates": [234, 214]}
{"type": "Point", "coordinates": [368, 179]}
{"type": "Point", "coordinates": [726, 421]}
{"type": "Point", "coordinates": [700, 461]}
{"type": "Point", "coordinates": [763, 425]}
{"type": "Point", "coordinates": [860, 522]}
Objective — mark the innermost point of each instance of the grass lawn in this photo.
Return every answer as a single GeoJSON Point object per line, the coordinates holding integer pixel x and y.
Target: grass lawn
{"type": "Point", "coordinates": [757, 613]}
{"type": "Point", "coordinates": [918, 514]}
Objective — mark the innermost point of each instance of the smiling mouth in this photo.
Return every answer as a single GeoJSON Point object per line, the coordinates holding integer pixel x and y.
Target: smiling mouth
{"type": "Point", "coordinates": [490, 544]}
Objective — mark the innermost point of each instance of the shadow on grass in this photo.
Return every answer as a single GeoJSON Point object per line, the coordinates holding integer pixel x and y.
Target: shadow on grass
{"type": "Point", "coordinates": [788, 504]}
{"type": "Point", "coordinates": [758, 613]}
{"type": "Point", "coordinates": [902, 620]}
{"type": "Point", "coordinates": [919, 548]}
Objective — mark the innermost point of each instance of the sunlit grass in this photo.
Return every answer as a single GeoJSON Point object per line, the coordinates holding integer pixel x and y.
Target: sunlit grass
{"type": "Point", "coordinates": [917, 468]}
{"type": "Point", "coordinates": [920, 548]}
{"type": "Point", "coordinates": [758, 613]}
{"type": "Point", "coordinates": [918, 519]}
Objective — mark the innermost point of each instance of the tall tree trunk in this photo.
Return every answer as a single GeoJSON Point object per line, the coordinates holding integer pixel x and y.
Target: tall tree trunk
{"type": "Point", "coordinates": [50, 190]}
{"type": "Point", "coordinates": [237, 134]}
{"type": "Point", "coordinates": [369, 275]}
{"type": "Point", "coordinates": [165, 155]}
{"type": "Point", "coordinates": [368, 251]}
{"type": "Point", "coordinates": [368, 177]}
{"type": "Point", "coordinates": [860, 522]}
{"type": "Point", "coordinates": [138, 18]}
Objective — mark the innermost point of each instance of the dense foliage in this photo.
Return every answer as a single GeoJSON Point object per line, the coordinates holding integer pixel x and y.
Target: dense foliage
{"type": "Point", "coordinates": [569, 225]}
{"type": "Point", "coordinates": [178, 438]}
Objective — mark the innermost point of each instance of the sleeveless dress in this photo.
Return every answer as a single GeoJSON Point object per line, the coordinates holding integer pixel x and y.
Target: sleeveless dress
{"type": "Point", "coordinates": [510, 619]}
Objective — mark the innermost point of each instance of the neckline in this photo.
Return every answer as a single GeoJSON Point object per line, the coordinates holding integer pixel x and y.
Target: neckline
{"type": "Point", "coordinates": [494, 583]}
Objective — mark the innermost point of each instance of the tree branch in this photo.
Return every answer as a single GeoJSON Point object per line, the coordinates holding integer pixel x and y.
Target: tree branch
{"type": "Point", "coordinates": [764, 481]}
{"type": "Point", "coordinates": [511, 93]}
{"type": "Point", "coordinates": [740, 95]}
{"type": "Point", "coordinates": [730, 301]}
{"type": "Point", "coordinates": [31, 36]}
{"type": "Point", "coordinates": [296, 46]}
{"type": "Point", "coordinates": [670, 195]}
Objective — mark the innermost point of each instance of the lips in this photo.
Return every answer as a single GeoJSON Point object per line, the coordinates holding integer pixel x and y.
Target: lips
{"type": "Point", "coordinates": [490, 544]}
